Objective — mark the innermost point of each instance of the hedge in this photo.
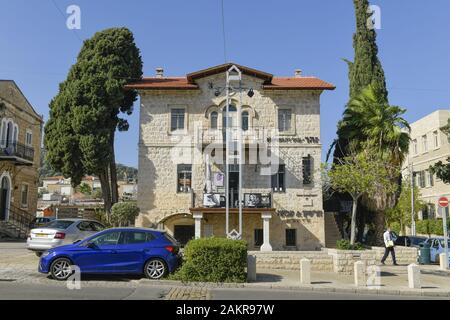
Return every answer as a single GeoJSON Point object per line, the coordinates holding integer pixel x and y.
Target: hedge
{"type": "Point", "coordinates": [431, 226]}
{"type": "Point", "coordinates": [344, 244]}
{"type": "Point", "coordinates": [214, 260]}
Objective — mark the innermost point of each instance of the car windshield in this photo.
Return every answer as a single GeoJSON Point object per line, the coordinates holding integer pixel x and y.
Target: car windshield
{"type": "Point", "coordinates": [417, 240]}
{"type": "Point", "coordinates": [170, 238]}
{"type": "Point", "coordinates": [59, 224]}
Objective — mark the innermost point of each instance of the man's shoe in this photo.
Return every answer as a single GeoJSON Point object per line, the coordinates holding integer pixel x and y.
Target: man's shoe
{"type": "Point", "coordinates": [382, 262]}
{"type": "Point", "coordinates": [395, 264]}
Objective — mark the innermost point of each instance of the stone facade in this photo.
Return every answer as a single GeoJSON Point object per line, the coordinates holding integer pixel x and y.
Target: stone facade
{"type": "Point", "coordinates": [161, 150]}
{"type": "Point", "coordinates": [428, 146]}
{"type": "Point", "coordinates": [20, 145]}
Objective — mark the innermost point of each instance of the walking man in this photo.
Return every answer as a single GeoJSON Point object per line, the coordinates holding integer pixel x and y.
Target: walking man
{"type": "Point", "coordinates": [389, 247]}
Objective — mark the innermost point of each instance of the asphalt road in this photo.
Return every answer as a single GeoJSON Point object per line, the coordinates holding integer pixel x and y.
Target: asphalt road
{"type": "Point", "coordinates": [22, 291]}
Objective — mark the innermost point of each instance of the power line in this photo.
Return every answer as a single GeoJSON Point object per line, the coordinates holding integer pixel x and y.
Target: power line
{"type": "Point", "coordinates": [64, 17]}
{"type": "Point", "coordinates": [224, 34]}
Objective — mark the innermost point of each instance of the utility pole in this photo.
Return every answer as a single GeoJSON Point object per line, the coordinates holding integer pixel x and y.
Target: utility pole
{"type": "Point", "coordinates": [411, 173]}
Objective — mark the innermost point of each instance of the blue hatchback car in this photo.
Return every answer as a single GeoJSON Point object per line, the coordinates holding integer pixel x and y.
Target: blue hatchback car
{"type": "Point", "coordinates": [153, 253]}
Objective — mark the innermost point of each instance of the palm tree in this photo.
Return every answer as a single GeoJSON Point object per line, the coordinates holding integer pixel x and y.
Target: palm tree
{"type": "Point", "coordinates": [369, 122]}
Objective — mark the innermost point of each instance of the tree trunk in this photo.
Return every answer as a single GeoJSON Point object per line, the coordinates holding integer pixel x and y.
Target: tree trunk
{"type": "Point", "coordinates": [379, 227]}
{"type": "Point", "coordinates": [113, 174]}
{"type": "Point", "coordinates": [106, 194]}
{"type": "Point", "coordinates": [353, 223]}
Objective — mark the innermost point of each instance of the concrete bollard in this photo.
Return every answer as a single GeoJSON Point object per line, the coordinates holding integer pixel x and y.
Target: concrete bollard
{"type": "Point", "coordinates": [251, 268]}
{"type": "Point", "coordinates": [305, 271]}
{"type": "Point", "coordinates": [414, 276]}
{"type": "Point", "coordinates": [442, 263]}
{"type": "Point", "coordinates": [360, 274]}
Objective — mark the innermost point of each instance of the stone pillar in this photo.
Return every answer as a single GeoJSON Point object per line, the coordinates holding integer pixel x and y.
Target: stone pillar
{"type": "Point", "coordinates": [198, 216]}
{"type": "Point", "coordinates": [251, 268]}
{"type": "Point", "coordinates": [443, 264]}
{"type": "Point", "coordinates": [360, 274]}
{"type": "Point", "coordinates": [266, 216]}
{"type": "Point", "coordinates": [305, 271]}
{"type": "Point", "coordinates": [414, 276]}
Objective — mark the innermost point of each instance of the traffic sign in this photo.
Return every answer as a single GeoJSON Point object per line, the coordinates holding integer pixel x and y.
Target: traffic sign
{"type": "Point", "coordinates": [443, 202]}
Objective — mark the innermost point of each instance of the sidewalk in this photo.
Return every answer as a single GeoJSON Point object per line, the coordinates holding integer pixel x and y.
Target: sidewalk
{"type": "Point", "coordinates": [394, 281]}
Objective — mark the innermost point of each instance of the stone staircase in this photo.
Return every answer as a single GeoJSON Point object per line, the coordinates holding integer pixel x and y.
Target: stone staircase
{"type": "Point", "coordinates": [332, 232]}
{"type": "Point", "coordinates": [17, 226]}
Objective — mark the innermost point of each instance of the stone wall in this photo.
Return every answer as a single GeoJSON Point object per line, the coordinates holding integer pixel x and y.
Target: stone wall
{"type": "Point", "coordinates": [289, 260]}
{"type": "Point", "coordinates": [330, 260]}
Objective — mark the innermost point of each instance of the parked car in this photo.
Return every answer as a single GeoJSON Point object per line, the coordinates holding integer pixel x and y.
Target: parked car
{"type": "Point", "coordinates": [115, 251]}
{"type": "Point", "coordinates": [60, 232]}
{"type": "Point", "coordinates": [409, 241]}
{"type": "Point", "coordinates": [436, 247]}
{"type": "Point", "coordinates": [40, 222]}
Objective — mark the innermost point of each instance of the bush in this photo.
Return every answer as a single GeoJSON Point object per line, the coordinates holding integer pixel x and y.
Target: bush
{"type": "Point", "coordinates": [345, 245]}
{"type": "Point", "coordinates": [214, 260]}
{"type": "Point", "coordinates": [432, 226]}
{"type": "Point", "coordinates": [124, 213]}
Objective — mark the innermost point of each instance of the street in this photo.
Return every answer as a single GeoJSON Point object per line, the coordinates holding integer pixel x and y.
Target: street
{"type": "Point", "coordinates": [19, 280]}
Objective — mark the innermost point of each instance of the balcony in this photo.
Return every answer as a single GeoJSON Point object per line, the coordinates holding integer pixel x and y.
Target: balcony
{"type": "Point", "coordinates": [253, 135]}
{"type": "Point", "coordinates": [250, 200]}
{"type": "Point", "coordinates": [15, 151]}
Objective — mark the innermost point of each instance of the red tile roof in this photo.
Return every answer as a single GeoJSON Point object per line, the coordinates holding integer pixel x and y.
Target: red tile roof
{"type": "Point", "coordinates": [270, 82]}
{"type": "Point", "coordinates": [172, 83]}
{"type": "Point", "coordinates": [300, 83]}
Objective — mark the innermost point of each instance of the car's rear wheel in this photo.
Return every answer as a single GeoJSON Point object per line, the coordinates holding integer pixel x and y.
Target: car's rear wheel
{"type": "Point", "coordinates": [155, 269]}
{"type": "Point", "coordinates": [61, 269]}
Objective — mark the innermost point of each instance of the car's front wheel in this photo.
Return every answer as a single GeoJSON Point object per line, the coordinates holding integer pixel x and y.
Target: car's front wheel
{"type": "Point", "coordinates": [155, 269]}
{"type": "Point", "coordinates": [61, 269]}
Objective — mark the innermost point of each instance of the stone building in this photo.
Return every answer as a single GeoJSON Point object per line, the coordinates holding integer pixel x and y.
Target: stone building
{"type": "Point", "coordinates": [182, 164]}
{"type": "Point", "coordinates": [20, 145]}
{"type": "Point", "coordinates": [428, 146]}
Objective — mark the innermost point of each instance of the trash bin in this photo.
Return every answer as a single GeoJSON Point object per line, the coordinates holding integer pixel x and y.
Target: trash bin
{"type": "Point", "coordinates": [424, 253]}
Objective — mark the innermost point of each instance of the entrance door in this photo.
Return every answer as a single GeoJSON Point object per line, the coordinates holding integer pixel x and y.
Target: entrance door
{"type": "Point", "coordinates": [4, 198]}
{"type": "Point", "coordinates": [234, 187]}
{"type": "Point", "coordinates": [184, 233]}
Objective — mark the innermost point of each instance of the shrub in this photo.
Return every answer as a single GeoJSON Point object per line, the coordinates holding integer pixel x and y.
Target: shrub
{"type": "Point", "coordinates": [123, 213]}
{"type": "Point", "coordinates": [214, 260]}
{"type": "Point", "coordinates": [432, 226]}
{"type": "Point", "coordinates": [346, 245]}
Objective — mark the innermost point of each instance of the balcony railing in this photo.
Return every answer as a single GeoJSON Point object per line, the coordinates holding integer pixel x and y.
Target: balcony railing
{"type": "Point", "coordinates": [15, 149]}
{"type": "Point", "coordinates": [250, 200]}
{"type": "Point", "coordinates": [249, 136]}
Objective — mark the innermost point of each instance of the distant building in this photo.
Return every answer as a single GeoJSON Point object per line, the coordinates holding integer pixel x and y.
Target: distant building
{"type": "Point", "coordinates": [20, 145]}
{"type": "Point", "coordinates": [428, 146]}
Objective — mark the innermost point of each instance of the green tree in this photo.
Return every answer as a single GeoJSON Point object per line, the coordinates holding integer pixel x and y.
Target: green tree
{"type": "Point", "coordinates": [123, 213]}
{"type": "Point", "coordinates": [85, 189]}
{"type": "Point", "coordinates": [365, 69]}
{"type": "Point", "coordinates": [401, 213]}
{"type": "Point", "coordinates": [359, 174]}
{"type": "Point", "coordinates": [440, 169]}
{"type": "Point", "coordinates": [84, 116]}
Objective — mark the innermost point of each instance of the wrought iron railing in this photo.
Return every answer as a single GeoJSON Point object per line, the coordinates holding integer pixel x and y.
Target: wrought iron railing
{"type": "Point", "coordinates": [15, 149]}
{"type": "Point", "coordinates": [20, 219]}
{"type": "Point", "coordinates": [250, 135]}
{"type": "Point", "coordinates": [250, 200]}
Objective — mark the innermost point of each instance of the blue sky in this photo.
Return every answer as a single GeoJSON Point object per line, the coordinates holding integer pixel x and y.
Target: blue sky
{"type": "Point", "coordinates": [276, 36]}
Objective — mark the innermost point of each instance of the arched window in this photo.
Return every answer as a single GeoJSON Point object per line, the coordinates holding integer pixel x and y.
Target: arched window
{"type": "Point", "coordinates": [214, 117]}
{"type": "Point", "coordinates": [245, 120]}
{"type": "Point", "coordinates": [232, 116]}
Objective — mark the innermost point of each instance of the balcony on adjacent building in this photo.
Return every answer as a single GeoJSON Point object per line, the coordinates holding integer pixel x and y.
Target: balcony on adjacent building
{"type": "Point", "coordinates": [18, 152]}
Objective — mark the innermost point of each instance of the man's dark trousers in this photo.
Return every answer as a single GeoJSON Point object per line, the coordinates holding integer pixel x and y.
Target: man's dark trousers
{"type": "Point", "coordinates": [386, 253]}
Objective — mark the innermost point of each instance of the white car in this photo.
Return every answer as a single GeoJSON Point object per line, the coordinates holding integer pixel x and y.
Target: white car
{"type": "Point", "coordinates": [61, 232]}
{"type": "Point", "coordinates": [436, 247]}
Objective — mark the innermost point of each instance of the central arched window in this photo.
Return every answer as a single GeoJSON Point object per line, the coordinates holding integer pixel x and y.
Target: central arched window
{"type": "Point", "coordinates": [214, 118]}
{"type": "Point", "coordinates": [231, 116]}
{"type": "Point", "coordinates": [245, 120]}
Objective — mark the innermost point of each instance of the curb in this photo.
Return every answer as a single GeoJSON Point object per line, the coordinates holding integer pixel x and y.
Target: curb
{"type": "Point", "coordinates": [346, 290]}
